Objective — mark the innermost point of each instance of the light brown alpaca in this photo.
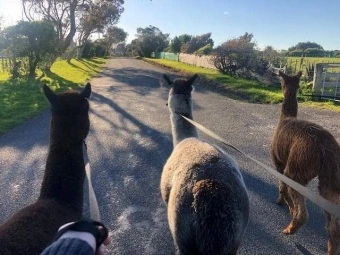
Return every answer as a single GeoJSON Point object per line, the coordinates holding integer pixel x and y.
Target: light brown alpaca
{"type": "Point", "coordinates": [202, 186]}
{"type": "Point", "coordinates": [302, 150]}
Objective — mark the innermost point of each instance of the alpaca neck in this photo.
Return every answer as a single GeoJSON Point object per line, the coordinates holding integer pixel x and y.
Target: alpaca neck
{"type": "Point", "coordinates": [289, 106]}
{"type": "Point", "coordinates": [181, 128]}
{"type": "Point", "coordinates": [65, 171]}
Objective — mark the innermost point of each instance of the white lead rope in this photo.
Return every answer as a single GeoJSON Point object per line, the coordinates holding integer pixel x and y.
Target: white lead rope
{"type": "Point", "coordinates": [315, 198]}
{"type": "Point", "coordinates": [94, 208]}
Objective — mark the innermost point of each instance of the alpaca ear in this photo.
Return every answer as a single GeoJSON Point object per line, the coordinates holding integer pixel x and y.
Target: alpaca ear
{"type": "Point", "coordinates": [86, 91]}
{"type": "Point", "coordinates": [283, 75]}
{"type": "Point", "coordinates": [192, 79]}
{"type": "Point", "coordinates": [298, 75]}
{"type": "Point", "coordinates": [167, 79]}
{"type": "Point", "coordinates": [51, 96]}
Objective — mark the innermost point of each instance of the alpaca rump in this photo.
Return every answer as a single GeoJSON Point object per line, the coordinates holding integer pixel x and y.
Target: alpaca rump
{"type": "Point", "coordinates": [208, 206]}
{"type": "Point", "coordinates": [60, 201]}
{"type": "Point", "coordinates": [302, 150]}
{"type": "Point", "coordinates": [206, 198]}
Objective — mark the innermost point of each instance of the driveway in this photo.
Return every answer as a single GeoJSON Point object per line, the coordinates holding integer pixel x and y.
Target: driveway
{"type": "Point", "coordinates": [129, 142]}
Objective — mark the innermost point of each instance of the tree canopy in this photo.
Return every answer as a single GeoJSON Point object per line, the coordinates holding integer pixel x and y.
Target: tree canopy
{"type": "Point", "coordinates": [200, 44]}
{"type": "Point", "coordinates": [150, 39]}
{"type": "Point", "coordinates": [197, 42]}
{"type": "Point", "coordinates": [35, 40]}
{"type": "Point", "coordinates": [113, 36]}
{"type": "Point", "coordinates": [70, 16]}
{"type": "Point", "coordinates": [305, 45]}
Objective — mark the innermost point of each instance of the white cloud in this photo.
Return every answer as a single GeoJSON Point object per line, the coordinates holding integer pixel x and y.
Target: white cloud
{"type": "Point", "coordinates": [226, 13]}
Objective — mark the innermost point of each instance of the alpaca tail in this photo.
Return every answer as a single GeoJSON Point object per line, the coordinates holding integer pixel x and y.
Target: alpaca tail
{"type": "Point", "coordinates": [216, 218]}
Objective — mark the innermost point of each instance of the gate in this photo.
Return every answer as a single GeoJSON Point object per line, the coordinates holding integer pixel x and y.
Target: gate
{"type": "Point", "coordinates": [326, 82]}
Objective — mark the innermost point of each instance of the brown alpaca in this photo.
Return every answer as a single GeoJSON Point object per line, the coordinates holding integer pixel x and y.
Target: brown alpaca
{"type": "Point", "coordinates": [60, 201]}
{"type": "Point", "coordinates": [302, 150]}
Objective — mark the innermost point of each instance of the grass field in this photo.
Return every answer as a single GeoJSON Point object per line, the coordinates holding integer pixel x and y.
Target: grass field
{"type": "Point", "coordinates": [21, 99]}
{"type": "Point", "coordinates": [250, 90]}
{"type": "Point", "coordinates": [299, 64]}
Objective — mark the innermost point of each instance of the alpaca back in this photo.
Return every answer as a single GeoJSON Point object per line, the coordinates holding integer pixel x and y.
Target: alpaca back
{"type": "Point", "coordinates": [60, 201]}
{"type": "Point", "coordinates": [204, 186]}
{"type": "Point", "coordinates": [307, 145]}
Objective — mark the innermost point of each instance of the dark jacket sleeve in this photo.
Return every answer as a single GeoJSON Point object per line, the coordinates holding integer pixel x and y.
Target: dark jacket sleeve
{"type": "Point", "coordinates": [68, 246]}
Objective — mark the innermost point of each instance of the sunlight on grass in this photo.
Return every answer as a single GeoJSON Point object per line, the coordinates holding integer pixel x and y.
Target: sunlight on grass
{"type": "Point", "coordinates": [22, 98]}
{"type": "Point", "coordinates": [252, 91]}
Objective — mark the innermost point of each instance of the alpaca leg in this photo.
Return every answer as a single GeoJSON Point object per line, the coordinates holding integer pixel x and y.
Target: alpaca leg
{"type": "Point", "coordinates": [285, 194]}
{"type": "Point", "coordinates": [282, 186]}
{"type": "Point", "coordinates": [184, 248]}
{"type": "Point", "coordinates": [299, 212]}
{"type": "Point", "coordinates": [333, 229]}
{"type": "Point", "coordinates": [332, 224]}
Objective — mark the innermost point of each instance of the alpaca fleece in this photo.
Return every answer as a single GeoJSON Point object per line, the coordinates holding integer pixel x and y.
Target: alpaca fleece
{"type": "Point", "coordinates": [60, 201]}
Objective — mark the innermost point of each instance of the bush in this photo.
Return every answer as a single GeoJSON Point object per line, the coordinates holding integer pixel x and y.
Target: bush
{"type": "Point", "coordinates": [238, 56]}
{"type": "Point", "coordinates": [93, 50]}
{"type": "Point", "coordinates": [306, 88]}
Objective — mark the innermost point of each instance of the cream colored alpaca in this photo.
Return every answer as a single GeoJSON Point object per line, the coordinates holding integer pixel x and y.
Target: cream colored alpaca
{"type": "Point", "coordinates": [207, 201]}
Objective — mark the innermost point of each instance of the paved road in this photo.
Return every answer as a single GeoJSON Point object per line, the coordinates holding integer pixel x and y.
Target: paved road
{"type": "Point", "coordinates": [130, 140]}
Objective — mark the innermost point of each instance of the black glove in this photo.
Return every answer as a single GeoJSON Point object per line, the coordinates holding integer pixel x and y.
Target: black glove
{"type": "Point", "coordinates": [88, 226]}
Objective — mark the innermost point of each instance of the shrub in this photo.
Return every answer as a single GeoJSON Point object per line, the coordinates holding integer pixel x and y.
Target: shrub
{"type": "Point", "coordinates": [239, 56]}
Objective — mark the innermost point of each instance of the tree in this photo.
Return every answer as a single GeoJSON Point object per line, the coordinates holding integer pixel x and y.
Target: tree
{"type": "Point", "coordinates": [236, 54]}
{"type": "Point", "coordinates": [273, 57]}
{"type": "Point", "coordinates": [184, 38]}
{"type": "Point", "coordinates": [68, 16]}
{"type": "Point", "coordinates": [175, 45]}
{"type": "Point", "coordinates": [305, 45]}
{"type": "Point", "coordinates": [35, 40]}
{"type": "Point", "coordinates": [151, 39]}
{"type": "Point", "coordinates": [1, 22]}
{"type": "Point", "coordinates": [314, 52]}
{"type": "Point", "coordinates": [97, 16]}
{"type": "Point", "coordinates": [299, 50]}
{"type": "Point", "coordinates": [114, 35]}
{"type": "Point", "coordinates": [132, 49]}
{"type": "Point", "coordinates": [197, 42]}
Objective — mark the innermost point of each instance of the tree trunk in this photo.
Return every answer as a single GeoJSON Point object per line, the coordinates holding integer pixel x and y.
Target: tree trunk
{"type": "Point", "coordinates": [66, 43]}
{"type": "Point", "coordinates": [32, 66]}
{"type": "Point", "coordinates": [70, 55]}
{"type": "Point", "coordinates": [80, 51]}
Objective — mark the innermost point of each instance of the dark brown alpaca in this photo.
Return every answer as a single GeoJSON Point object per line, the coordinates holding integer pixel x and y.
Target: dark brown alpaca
{"type": "Point", "coordinates": [60, 201]}
{"type": "Point", "coordinates": [302, 150]}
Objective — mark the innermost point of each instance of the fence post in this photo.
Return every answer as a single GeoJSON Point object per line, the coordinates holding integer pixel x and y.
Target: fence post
{"type": "Point", "coordinates": [317, 79]}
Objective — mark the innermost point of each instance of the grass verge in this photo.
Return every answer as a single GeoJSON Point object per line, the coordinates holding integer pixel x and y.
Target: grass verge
{"type": "Point", "coordinates": [238, 88]}
{"type": "Point", "coordinates": [21, 99]}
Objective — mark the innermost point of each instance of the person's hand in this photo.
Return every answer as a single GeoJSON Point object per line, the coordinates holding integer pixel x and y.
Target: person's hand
{"type": "Point", "coordinates": [102, 248]}
{"type": "Point", "coordinates": [92, 232]}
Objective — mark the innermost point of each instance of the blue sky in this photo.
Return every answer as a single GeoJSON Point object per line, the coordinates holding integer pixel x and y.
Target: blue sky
{"type": "Point", "coordinates": [280, 24]}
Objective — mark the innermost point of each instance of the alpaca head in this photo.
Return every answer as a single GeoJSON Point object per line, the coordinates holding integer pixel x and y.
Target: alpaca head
{"type": "Point", "coordinates": [179, 100]}
{"type": "Point", "coordinates": [290, 84]}
{"type": "Point", "coordinates": [70, 112]}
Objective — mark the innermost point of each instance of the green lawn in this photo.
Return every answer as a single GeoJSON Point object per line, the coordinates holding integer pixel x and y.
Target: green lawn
{"type": "Point", "coordinates": [250, 90]}
{"type": "Point", "coordinates": [238, 88]}
{"type": "Point", "coordinates": [21, 99]}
